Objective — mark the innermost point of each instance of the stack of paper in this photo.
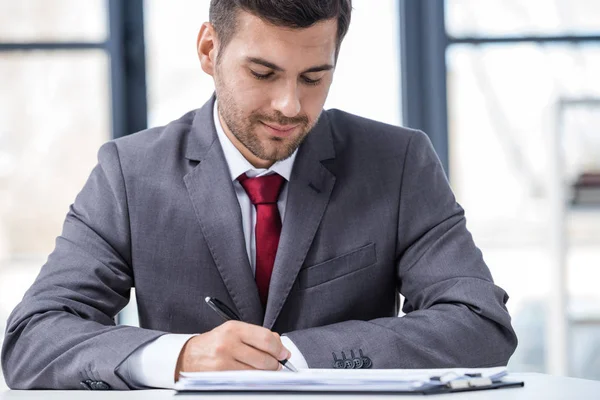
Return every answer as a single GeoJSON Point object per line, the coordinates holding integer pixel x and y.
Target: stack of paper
{"type": "Point", "coordinates": [333, 380]}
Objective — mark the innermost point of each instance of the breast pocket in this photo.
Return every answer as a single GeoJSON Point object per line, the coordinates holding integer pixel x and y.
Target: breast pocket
{"type": "Point", "coordinates": [337, 267]}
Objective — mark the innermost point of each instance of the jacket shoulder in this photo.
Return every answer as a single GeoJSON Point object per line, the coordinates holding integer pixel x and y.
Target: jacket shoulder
{"type": "Point", "coordinates": [157, 138]}
{"type": "Point", "coordinates": [156, 149]}
{"type": "Point", "coordinates": [366, 135]}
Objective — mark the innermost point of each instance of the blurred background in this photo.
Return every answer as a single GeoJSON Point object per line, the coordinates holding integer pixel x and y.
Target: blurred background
{"type": "Point", "coordinates": [507, 90]}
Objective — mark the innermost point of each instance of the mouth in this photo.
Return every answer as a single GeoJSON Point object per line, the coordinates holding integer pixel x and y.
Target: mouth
{"type": "Point", "coordinates": [280, 130]}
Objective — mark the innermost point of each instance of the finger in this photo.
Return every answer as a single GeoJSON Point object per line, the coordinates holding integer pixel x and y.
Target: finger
{"type": "Point", "coordinates": [263, 339]}
{"type": "Point", "coordinates": [233, 365]}
{"type": "Point", "coordinates": [255, 358]}
{"type": "Point", "coordinates": [285, 354]}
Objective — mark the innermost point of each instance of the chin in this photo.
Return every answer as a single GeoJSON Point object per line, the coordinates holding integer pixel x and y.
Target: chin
{"type": "Point", "coordinates": [275, 155]}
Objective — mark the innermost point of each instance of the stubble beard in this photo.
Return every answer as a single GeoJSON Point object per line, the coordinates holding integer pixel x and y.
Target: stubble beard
{"type": "Point", "coordinates": [243, 128]}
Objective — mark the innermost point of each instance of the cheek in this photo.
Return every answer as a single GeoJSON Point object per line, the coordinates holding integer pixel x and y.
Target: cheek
{"type": "Point", "coordinates": [247, 98]}
{"type": "Point", "coordinates": [238, 82]}
{"type": "Point", "coordinates": [251, 102]}
{"type": "Point", "coordinates": [251, 94]}
{"type": "Point", "coordinates": [314, 100]}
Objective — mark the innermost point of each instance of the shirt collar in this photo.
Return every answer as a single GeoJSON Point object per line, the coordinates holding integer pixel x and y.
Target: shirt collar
{"type": "Point", "coordinates": [238, 165]}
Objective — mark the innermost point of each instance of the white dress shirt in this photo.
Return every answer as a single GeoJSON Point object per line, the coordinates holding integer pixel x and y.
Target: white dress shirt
{"type": "Point", "coordinates": [153, 364]}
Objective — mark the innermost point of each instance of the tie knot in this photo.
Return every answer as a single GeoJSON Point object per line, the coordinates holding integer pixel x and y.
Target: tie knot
{"type": "Point", "coordinates": [262, 189]}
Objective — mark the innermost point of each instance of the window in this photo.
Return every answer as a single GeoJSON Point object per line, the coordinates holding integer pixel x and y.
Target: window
{"type": "Point", "coordinates": [54, 115]}
{"type": "Point", "coordinates": [53, 21]}
{"type": "Point", "coordinates": [504, 90]}
{"type": "Point", "coordinates": [518, 17]}
{"type": "Point", "coordinates": [177, 84]}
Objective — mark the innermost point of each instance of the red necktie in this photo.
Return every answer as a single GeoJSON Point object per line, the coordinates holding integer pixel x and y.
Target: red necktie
{"type": "Point", "coordinates": [263, 192]}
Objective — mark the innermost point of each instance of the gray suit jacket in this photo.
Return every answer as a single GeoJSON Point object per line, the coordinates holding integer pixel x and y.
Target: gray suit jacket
{"type": "Point", "coordinates": [369, 214]}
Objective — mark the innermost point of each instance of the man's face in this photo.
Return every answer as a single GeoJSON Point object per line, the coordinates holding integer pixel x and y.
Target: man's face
{"type": "Point", "coordinates": [271, 85]}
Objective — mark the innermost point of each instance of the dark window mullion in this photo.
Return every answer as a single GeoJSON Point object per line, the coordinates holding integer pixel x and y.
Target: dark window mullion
{"type": "Point", "coordinates": [423, 64]}
{"type": "Point", "coordinates": [521, 39]}
{"type": "Point", "coordinates": [128, 66]}
{"type": "Point", "coordinates": [52, 46]}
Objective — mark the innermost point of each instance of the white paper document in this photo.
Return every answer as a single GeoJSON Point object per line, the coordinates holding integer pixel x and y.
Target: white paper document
{"type": "Point", "coordinates": [337, 380]}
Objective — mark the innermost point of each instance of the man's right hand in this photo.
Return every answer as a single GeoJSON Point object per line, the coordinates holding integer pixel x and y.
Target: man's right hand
{"type": "Point", "coordinates": [234, 345]}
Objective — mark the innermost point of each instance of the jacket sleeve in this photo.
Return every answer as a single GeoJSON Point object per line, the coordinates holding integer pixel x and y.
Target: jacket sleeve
{"type": "Point", "coordinates": [455, 315]}
{"type": "Point", "coordinates": [62, 335]}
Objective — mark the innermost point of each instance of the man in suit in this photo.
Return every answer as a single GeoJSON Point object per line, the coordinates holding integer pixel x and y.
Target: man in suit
{"type": "Point", "coordinates": [307, 223]}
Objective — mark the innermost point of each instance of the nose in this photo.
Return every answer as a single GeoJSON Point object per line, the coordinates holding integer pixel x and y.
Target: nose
{"type": "Point", "coordinates": [287, 100]}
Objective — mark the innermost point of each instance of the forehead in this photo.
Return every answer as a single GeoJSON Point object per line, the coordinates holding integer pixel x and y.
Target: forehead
{"type": "Point", "coordinates": [257, 38]}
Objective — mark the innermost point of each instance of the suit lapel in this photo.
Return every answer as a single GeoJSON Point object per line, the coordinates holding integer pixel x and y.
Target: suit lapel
{"type": "Point", "coordinates": [309, 191]}
{"type": "Point", "coordinates": [217, 208]}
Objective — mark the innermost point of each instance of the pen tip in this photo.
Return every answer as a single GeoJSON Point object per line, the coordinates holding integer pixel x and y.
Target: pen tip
{"type": "Point", "coordinates": [207, 299]}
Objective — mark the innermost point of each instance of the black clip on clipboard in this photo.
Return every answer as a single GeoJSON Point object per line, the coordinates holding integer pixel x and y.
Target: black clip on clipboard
{"type": "Point", "coordinates": [470, 383]}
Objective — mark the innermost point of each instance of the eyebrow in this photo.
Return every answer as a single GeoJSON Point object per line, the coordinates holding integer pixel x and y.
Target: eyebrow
{"type": "Point", "coordinates": [265, 63]}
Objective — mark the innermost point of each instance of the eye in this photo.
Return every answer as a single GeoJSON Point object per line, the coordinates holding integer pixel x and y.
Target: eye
{"type": "Point", "coordinates": [261, 76]}
{"type": "Point", "coordinates": [311, 82]}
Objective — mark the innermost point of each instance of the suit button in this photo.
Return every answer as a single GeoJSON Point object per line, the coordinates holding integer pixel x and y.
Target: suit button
{"type": "Point", "coordinates": [348, 363]}
{"type": "Point", "coordinates": [358, 361]}
{"type": "Point", "coordinates": [337, 364]}
{"type": "Point", "coordinates": [367, 363]}
{"type": "Point", "coordinates": [99, 385]}
{"type": "Point", "coordinates": [86, 384]}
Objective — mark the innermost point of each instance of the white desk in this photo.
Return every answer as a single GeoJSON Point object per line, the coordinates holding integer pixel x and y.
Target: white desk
{"type": "Point", "coordinates": [537, 386]}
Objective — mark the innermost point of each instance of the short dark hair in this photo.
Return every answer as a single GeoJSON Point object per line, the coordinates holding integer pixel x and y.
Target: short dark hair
{"type": "Point", "coordinates": [287, 13]}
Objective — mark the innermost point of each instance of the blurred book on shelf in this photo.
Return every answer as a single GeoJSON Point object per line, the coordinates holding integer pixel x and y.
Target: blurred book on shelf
{"type": "Point", "coordinates": [586, 189]}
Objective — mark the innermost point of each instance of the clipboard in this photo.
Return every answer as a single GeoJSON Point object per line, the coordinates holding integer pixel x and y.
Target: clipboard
{"type": "Point", "coordinates": [493, 385]}
{"type": "Point", "coordinates": [426, 392]}
{"type": "Point", "coordinates": [348, 381]}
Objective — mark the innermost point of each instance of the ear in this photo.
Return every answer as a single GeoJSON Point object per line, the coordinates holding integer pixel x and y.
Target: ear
{"type": "Point", "coordinates": [206, 45]}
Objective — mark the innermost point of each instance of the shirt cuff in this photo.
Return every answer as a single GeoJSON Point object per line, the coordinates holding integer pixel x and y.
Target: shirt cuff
{"type": "Point", "coordinates": [153, 364]}
{"type": "Point", "coordinates": [297, 359]}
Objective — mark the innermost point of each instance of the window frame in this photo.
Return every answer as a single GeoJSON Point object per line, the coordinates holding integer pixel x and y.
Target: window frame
{"type": "Point", "coordinates": [125, 47]}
